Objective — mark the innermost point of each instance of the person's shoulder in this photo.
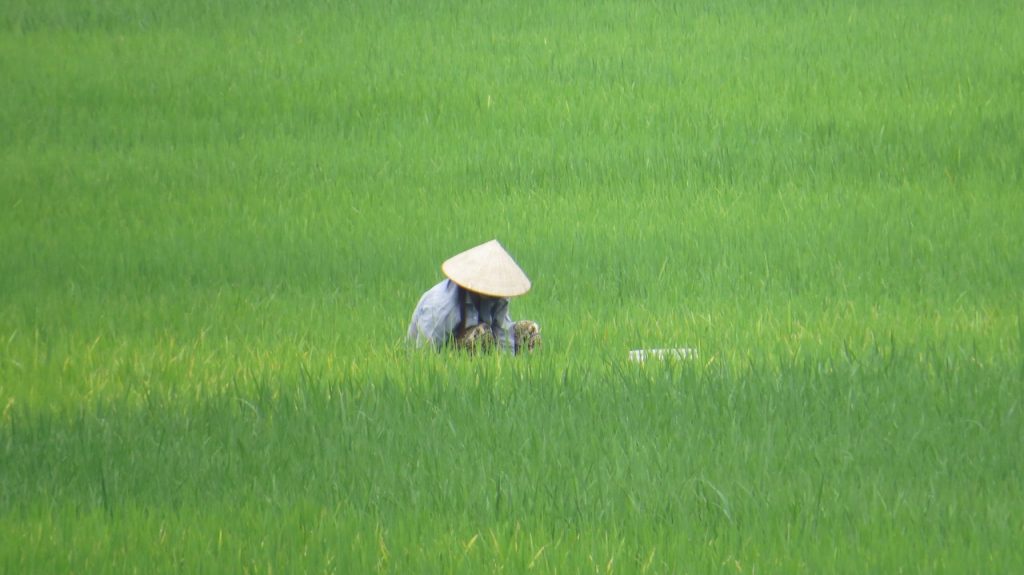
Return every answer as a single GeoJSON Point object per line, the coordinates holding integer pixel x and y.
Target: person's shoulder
{"type": "Point", "coordinates": [443, 291]}
{"type": "Point", "coordinates": [444, 286]}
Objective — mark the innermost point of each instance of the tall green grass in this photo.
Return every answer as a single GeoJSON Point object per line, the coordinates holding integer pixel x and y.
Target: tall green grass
{"type": "Point", "coordinates": [857, 465]}
{"type": "Point", "coordinates": [215, 219]}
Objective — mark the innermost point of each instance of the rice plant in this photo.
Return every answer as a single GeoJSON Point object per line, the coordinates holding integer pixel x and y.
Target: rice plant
{"type": "Point", "coordinates": [216, 218]}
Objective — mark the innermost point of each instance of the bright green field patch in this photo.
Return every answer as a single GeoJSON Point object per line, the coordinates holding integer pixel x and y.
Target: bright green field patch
{"type": "Point", "coordinates": [216, 218]}
{"type": "Point", "coordinates": [877, 465]}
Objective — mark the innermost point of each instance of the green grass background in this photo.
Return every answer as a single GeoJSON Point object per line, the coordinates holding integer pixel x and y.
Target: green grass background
{"type": "Point", "coordinates": [216, 218]}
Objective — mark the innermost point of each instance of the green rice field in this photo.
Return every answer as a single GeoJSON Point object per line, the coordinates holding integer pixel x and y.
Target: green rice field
{"type": "Point", "coordinates": [216, 217]}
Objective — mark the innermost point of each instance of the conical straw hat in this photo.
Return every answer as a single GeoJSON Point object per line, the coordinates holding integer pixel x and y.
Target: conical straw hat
{"type": "Point", "coordinates": [487, 269]}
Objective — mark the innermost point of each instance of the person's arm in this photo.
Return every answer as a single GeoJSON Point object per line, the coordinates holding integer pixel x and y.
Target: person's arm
{"type": "Point", "coordinates": [503, 327]}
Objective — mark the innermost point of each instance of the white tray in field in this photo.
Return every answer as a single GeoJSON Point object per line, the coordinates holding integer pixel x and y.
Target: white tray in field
{"type": "Point", "coordinates": [642, 355]}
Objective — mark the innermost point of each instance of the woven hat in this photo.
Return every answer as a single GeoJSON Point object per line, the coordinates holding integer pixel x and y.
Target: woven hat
{"type": "Point", "coordinates": [487, 269]}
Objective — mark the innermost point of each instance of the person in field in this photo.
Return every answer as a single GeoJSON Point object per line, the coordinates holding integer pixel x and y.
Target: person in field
{"type": "Point", "coordinates": [469, 309]}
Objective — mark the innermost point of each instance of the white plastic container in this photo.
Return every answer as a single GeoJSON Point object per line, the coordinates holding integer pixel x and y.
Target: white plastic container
{"type": "Point", "coordinates": [642, 355]}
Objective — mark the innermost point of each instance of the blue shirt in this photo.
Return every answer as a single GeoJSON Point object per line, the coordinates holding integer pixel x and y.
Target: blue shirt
{"type": "Point", "coordinates": [439, 314]}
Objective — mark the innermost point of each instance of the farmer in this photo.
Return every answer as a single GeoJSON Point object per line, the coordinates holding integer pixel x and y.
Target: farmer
{"type": "Point", "coordinates": [470, 308]}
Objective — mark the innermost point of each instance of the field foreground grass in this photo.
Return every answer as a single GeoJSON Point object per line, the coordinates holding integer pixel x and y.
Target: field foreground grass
{"type": "Point", "coordinates": [216, 217]}
{"type": "Point", "coordinates": [878, 465]}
